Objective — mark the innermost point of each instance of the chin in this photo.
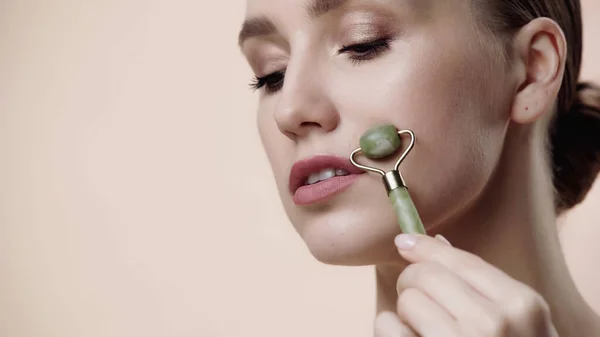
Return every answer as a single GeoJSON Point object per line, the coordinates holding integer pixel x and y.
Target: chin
{"type": "Point", "coordinates": [350, 236]}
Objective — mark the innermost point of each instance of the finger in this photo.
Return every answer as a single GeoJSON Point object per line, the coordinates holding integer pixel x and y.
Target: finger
{"type": "Point", "coordinates": [388, 324]}
{"type": "Point", "coordinates": [482, 276]}
{"type": "Point", "coordinates": [425, 316]}
{"type": "Point", "coordinates": [523, 308]}
{"type": "Point", "coordinates": [475, 314]}
{"type": "Point", "coordinates": [443, 239]}
{"type": "Point", "coordinates": [447, 289]}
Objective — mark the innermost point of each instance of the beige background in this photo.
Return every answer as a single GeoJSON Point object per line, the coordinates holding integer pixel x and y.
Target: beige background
{"type": "Point", "coordinates": [136, 200]}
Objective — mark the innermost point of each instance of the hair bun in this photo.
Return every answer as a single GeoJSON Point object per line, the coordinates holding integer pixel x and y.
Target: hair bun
{"type": "Point", "coordinates": [575, 140]}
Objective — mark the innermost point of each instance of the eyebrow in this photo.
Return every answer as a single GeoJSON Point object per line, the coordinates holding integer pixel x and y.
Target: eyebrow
{"type": "Point", "coordinates": [322, 7]}
{"type": "Point", "coordinates": [261, 26]}
{"type": "Point", "coordinates": [256, 27]}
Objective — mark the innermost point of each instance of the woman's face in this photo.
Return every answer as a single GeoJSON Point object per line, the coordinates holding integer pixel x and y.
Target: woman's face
{"type": "Point", "coordinates": [329, 70]}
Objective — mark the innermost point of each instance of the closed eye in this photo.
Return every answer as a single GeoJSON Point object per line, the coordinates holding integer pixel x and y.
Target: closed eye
{"type": "Point", "coordinates": [356, 53]}
{"type": "Point", "coordinates": [272, 82]}
{"type": "Point", "coordinates": [366, 51]}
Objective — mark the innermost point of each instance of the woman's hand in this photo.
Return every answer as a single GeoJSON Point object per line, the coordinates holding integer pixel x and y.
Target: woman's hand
{"type": "Point", "coordinates": [447, 292]}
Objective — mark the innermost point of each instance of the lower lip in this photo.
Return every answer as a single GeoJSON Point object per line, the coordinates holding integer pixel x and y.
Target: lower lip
{"type": "Point", "coordinates": [323, 190]}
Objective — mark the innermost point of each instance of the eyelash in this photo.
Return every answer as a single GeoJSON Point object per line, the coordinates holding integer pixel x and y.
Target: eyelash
{"type": "Point", "coordinates": [272, 82]}
{"type": "Point", "coordinates": [365, 51]}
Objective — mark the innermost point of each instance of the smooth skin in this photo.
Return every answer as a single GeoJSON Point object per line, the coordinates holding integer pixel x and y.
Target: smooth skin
{"type": "Point", "coordinates": [479, 173]}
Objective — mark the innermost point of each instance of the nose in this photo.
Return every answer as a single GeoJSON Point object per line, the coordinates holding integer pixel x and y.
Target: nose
{"type": "Point", "coordinates": [305, 106]}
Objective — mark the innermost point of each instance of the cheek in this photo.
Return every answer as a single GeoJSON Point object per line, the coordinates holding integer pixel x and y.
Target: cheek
{"type": "Point", "coordinates": [454, 113]}
{"type": "Point", "coordinates": [453, 166]}
{"type": "Point", "coordinates": [460, 129]}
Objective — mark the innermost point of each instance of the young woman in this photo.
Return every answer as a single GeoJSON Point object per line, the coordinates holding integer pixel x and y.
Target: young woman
{"type": "Point", "coordinates": [506, 140]}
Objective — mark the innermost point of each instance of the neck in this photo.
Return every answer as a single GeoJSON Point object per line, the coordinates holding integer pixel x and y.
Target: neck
{"type": "Point", "coordinates": [513, 226]}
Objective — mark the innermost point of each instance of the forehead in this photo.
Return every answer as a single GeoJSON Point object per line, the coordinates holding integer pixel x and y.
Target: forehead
{"type": "Point", "coordinates": [289, 12]}
{"type": "Point", "coordinates": [258, 6]}
{"type": "Point", "coordinates": [264, 17]}
{"type": "Point", "coordinates": [316, 8]}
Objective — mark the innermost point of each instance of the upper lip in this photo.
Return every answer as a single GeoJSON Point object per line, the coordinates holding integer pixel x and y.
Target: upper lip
{"type": "Point", "coordinates": [303, 168]}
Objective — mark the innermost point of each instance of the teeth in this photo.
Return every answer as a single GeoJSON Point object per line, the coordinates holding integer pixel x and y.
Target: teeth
{"type": "Point", "coordinates": [340, 172]}
{"type": "Point", "coordinates": [312, 179]}
{"type": "Point", "coordinates": [324, 175]}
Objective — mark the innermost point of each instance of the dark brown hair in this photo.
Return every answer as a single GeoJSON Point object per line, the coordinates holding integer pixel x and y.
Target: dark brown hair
{"type": "Point", "coordinates": [575, 130]}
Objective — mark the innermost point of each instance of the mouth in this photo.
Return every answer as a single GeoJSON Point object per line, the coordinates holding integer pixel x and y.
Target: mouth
{"type": "Point", "coordinates": [318, 178]}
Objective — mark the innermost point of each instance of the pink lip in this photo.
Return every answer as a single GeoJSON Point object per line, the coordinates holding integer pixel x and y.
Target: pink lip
{"type": "Point", "coordinates": [310, 194]}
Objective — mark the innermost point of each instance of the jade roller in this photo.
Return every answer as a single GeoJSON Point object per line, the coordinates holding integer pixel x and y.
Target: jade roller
{"type": "Point", "coordinates": [378, 143]}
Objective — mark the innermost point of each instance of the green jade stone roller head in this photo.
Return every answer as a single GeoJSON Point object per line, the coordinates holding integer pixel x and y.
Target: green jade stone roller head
{"type": "Point", "coordinates": [381, 142]}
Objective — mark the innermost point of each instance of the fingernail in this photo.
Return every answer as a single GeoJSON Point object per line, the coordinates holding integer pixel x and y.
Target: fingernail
{"type": "Point", "coordinates": [443, 239]}
{"type": "Point", "coordinates": [405, 241]}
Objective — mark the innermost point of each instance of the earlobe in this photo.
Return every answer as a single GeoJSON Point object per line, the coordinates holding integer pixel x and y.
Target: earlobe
{"type": "Point", "coordinates": [541, 49]}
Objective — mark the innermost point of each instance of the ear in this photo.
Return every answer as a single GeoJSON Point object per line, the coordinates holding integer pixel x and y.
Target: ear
{"type": "Point", "coordinates": [541, 51]}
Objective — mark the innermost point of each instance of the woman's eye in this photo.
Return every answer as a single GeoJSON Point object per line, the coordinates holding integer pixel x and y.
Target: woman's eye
{"type": "Point", "coordinates": [366, 51]}
{"type": "Point", "coordinates": [272, 82]}
{"type": "Point", "coordinates": [357, 53]}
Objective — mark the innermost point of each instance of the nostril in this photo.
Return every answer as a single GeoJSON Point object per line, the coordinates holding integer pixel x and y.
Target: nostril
{"type": "Point", "coordinates": [308, 124]}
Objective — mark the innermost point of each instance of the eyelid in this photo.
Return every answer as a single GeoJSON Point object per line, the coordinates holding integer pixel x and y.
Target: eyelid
{"type": "Point", "coordinates": [366, 36]}
{"type": "Point", "coordinates": [374, 43]}
{"type": "Point", "coordinates": [363, 23]}
{"type": "Point", "coordinates": [358, 32]}
{"type": "Point", "coordinates": [266, 58]}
